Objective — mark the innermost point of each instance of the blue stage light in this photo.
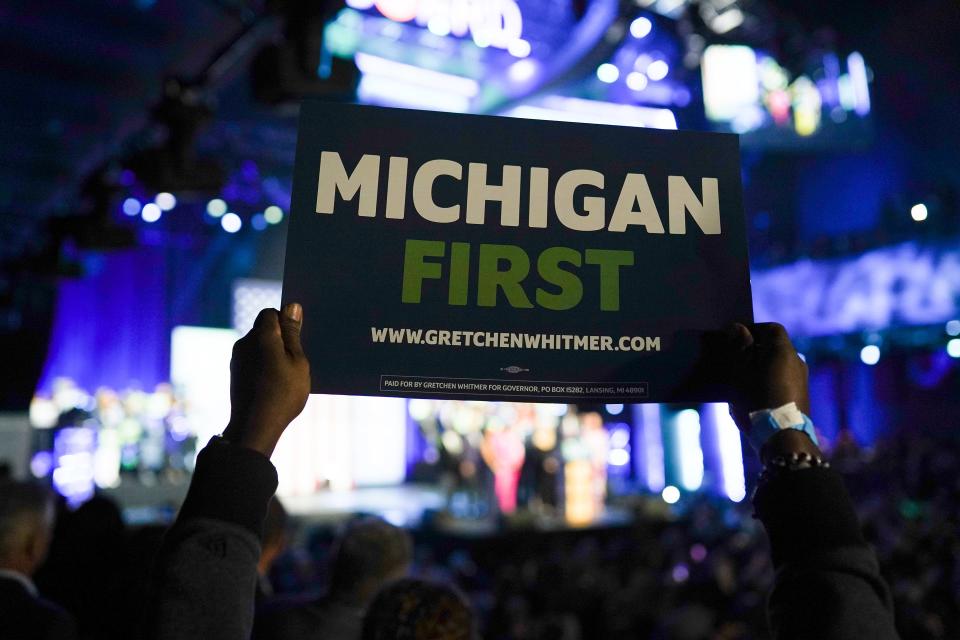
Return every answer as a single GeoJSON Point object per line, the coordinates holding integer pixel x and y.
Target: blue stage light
{"type": "Point", "coordinates": [131, 207]}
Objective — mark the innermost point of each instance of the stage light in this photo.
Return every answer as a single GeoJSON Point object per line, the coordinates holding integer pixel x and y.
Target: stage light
{"type": "Point", "coordinates": [953, 328]}
{"type": "Point", "coordinates": [680, 573]}
{"type": "Point", "coordinates": [687, 427]}
{"type": "Point", "coordinates": [131, 207]}
{"type": "Point", "coordinates": [231, 223]}
{"type": "Point", "coordinates": [918, 212]}
{"type": "Point", "coordinates": [566, 109]}
{"type": "Point", "coordinates": [41, 464]}
{"type": "Point", "coordinates": [608, 73]}
{"type": "Point", "coordinates": [439, 25]}
{"type": "Point", "coordinates": [698, 552]}
{"type": "Point", "coordinates": [727, 21]}
{"type": "Point", "coordinates": [640, 27]}
{"type": "Point", "coordinates": [420, 409]}
{"type": "Point", "coordinates": [259, 222]}
{"type": "Point", "coordinates": [165, 200]}
{"type": "Point", "coordinates": [522, 70]}
{"type": "Point", "coordinates": [614, 409]}
{"type": "Point", "coordinates": [953, 348]}
{"type": "Point", "coordinates": [151, 212]}
{"type": "Point", "coordinates": [731, 453]}
{"type": "Point", "coordinates": [859, 83]}
{"type": "Point", "coordinates": [658, 70]}
{"type": "Point", "coordinates": [216, 208]}
{"type": "Point", "coordinates": [636, 81]}
{"type": "Point", "coordinates": [519, 48]}
{"type": "Point", "coordinates": [273, 214]}
{"type": "Point", "coordinates": [618, 457]}
{"type": "Point", "coordinates": [647, 417]}
{"type": "Point", "coordinates": [418, 76]}
{"type": "Point", "coordinates": [670, 494]}
{"type": "Point", "coordinates": [870, 354]}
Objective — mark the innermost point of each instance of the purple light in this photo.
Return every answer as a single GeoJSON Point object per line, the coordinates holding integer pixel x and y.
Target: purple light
{"type": "Point", "coordinates": [131, 207]}
{"type": "Point", "coordinates": [698, 552]}
{"type": "Point", "coordinates": [41, 464]}
{"type": "Point", "coordinates": [680, 573]}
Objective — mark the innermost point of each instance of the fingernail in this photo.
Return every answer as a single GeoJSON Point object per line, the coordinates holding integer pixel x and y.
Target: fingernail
{"type": "Point", "coordinates": [293, 311]}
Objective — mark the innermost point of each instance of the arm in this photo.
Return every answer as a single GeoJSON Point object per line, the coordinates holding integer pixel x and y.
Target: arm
{"type": "Point", "coordinates": [205, 575]}
{"type": "Point", "coordinates": [828, 584]}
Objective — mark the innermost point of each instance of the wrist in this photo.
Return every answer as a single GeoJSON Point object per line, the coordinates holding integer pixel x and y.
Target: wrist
{"type": "Point", "coordinates": [259, 435]}
{"type": "Point", "coordinates": [766, 423]}
{"type": "Point", "coordinates": [787, 442]}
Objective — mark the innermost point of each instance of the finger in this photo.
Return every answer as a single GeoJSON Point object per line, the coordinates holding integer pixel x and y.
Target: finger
{"type": "Point", "coordinates": [266, 323]}
{"type": "Point", "coordinates": [291, 320]}
{"type": "Point", "coordinates": [771, 334]}
{"type": "Point", "coordinates": [739, 336]}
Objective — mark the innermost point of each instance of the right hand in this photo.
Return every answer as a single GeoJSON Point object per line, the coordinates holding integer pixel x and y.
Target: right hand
{"type": "Point", "coordinates": [269, 380]}
{"type": "Point", "coordinates": [766, 371]}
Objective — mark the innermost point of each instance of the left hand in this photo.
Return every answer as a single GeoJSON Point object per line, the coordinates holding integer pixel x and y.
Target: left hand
{"type": "Point", "coordinates": [269, 380]}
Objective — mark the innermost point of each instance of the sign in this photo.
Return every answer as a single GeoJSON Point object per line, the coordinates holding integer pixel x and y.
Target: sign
{"type": "Point", "coordinates": [477, 257]}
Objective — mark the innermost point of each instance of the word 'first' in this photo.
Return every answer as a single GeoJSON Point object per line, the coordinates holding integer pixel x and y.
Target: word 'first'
{"type": "Point", "coordinates": [635, 205]}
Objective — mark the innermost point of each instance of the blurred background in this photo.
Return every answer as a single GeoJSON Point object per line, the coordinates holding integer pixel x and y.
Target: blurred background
{"type": "Point", "coordinates": [148, 148]}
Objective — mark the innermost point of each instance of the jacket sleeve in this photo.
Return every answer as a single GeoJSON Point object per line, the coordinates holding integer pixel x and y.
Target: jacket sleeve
{"type": "Point", "coordinates": [828, 584]}
{"type": "Point", "coordinates": [205, 575]}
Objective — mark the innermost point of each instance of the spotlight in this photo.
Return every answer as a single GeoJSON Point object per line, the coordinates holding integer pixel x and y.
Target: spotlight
{"type": "Point", "coordinates": [519, 48]}
{"type": "Point", "coordinates": [870, 354]}
{"type": "Point", "coordinates": [953, 328]}
{"type": "Point", "coordinates": [216, 208]}
{"type": "Point", "coordinates": [522, 70]}
{"type": "Point", "coordinates": [953, 348]}
{"type": "Point", "coordinates": [608, 73]}
{"type": "Point", "coordinates": [670, 494]}
{"type": "Point", "coordinates": [165, 201]}
{"type": "Point", "coordinates": [131, 207]}
{"type": "Point", "coordinates": [151, 212]}
{"type": "Point", "coordinates": [918, 212]}
{"type": "Point", "coordinates": [636, 81]}
{"type": "Point", "coordinates": [640, 27]}
{"type": "Point", "coordinates": [231, 223]}
{"type": "Point", "coordinates": [658, 70]}
{"type": "Point", "coordinates": [258, 222]}
{"type": "Point", "coordinates": [273, 214]}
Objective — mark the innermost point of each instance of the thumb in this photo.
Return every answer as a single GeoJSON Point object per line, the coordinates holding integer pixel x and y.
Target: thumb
{"type": "Point", "coordinates": [739, 337]}
{"type": "Point", "coordinates": [291, 320]}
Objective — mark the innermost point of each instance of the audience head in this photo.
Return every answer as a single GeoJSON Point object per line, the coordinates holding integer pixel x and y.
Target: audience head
{"type": "Point", "coordinates": [274, 535]}
{"type": "Point", "coordinates": [26, 525]}
{"type": "Point", "coordinates": [370, 553]}
{"type": "Point", "coordinates": [415, 609]}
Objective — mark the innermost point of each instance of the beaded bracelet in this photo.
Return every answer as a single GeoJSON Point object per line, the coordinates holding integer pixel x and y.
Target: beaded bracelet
{"type": "Point", "coordinates": [792, 462]}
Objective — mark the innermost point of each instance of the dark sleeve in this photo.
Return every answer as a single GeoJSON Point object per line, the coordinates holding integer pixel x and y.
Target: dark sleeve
{"type": "Point", "coordinates": [206, 571]}
{"type": "Point", "coordinates": [828, 584]}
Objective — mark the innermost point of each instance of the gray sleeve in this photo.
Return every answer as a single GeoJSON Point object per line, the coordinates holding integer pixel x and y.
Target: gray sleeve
{"type": "Point", "coordinates": [836, 594]}
{"type": "Point", "coordinates": [204, 582]}
{"type": "Point", "coordinates": [828, 584]}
